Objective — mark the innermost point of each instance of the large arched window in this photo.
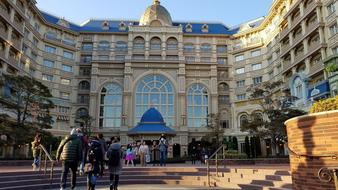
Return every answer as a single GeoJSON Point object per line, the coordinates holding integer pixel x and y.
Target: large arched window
{"type": "Point", "coordinates": [298, 87]}
{"type": "Point", "coordinates": [172, 44]}
{"type": "Point", "coordinates": [198, 106]}
{"type": "Point", "coordinates": [111, 106]}
{"type": "Point", "coordinates": [155, 91]}
{"type": "Point", "coordinates": [104, 45]}
{"type": "Point", "coordinates": [139, 43]}
{"type": "Point", "coordinates": [155, 43]}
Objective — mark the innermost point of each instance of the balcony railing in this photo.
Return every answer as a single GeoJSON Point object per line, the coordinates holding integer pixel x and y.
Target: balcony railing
{"type": "Point", "coordinates": [310, 7]}
{"type": "Point", "coordinates": [286, 65]}
{"type": "Point", "coordinates": [52, 37]}
{"type": "Point", "coordinates": [3, 33]}
{"type": "Point", "coordinates": [17, 44]}
{"type": "Point", "coordinates": [316, 67]}
{"type": "Point", "coordinates": [284, 32]}
{"type": "Point", "coordinates": [299, 57]}
{"type": "Point", "coordinates": [2, 54]}
{"type": "Point", "coordinates": [285, 48]}
{"type": "Point", "coordinates": [4, 13]}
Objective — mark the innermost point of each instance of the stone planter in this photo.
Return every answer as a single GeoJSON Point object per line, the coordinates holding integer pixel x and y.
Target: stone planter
{"type": "Point", "coordinates": [313, 144]}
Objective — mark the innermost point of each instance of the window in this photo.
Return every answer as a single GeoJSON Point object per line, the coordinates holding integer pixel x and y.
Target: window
{"type": "Point", "coordinates": [139, 43]}
{"type": "Point", "coordinates": [84, 85]}
{"type": "Point", "coordinates": [64, 95]}
{"type": "Point", "coordinates": [225, 124]}
{"type": "Point", "coordinates": [65, 81]}
{"type": "Point", "coordinates": [257, 80]}
{"type": "Point", "coordinates": [190, 59]}
{"type": "Point", "coordinates": [26, 33]}
{"type": "Point", "coordinates": [85, 71]}
{"type": "Point", "coordinates": [46, 77]}
{"type": "Point", "coordinates": [189, 48]}
{"type": "Point", "coordinates": [255, 53]}
{"type": "Point", "coordinates": [48, 63]}
{"type": "Point", "coordinates": [103, 57]}
{"type": "Point", "coordinates": [335, 50]}
{"type": "Point", "coordinates": [222, 49]}
{"type": "Point", "coordinates": [86, 58]}
{"type": "Point", "coordinates": [206, 48]}
{"type": "Point", "coordinates": [68, 55]}
{"type": "Point", "coordinates": [111, 106]}
{"type": "Point", "coordinates": [34, 55]}
{"type": "Point", "coordinates": [69, 42]}
{"type": "Point", "coordinates": [83, 99]}
{"type": "Point", "coordinates": [172, 44]}
{"type": "Point", "coordinates": [271, 75]}
{"type": "Point", "coordinates": [198, 105]}
{"type": "Point", "coordinates": [51, 35]}
{"type": "Point", "coordinates": [333, 29]}
{"type": "Point", "coordinates": [25, 49]}
{"type": "Point", "coordinates": [240, 70]}
{"type": "Point", "coordinates": [63, 109]}
{"type": "Point", "coordinates": [155, 91]}
{"type": "Point", "coordinates": [256, 66]}
{"type": "Point", "coordinates": [155, 44]}
{"type": "Point", "coordinates": [50, 49]}
{"type": "Point", "coordinates": [239, 58]}
{"type": "Point", "coordinates": [205, 59]}
{"type": "Point", "coordinates": [240, 83]}
{"type": "Point", "coordinates": [35, 42]}
{"type": "Point", "coordinates": [222, 60]}
{"type": "Point", "coordinates": [243, 120]}
{"type": "Point", "coordinates": [331, 8]}
{"type": "Point", "coordinates": [87, 46]}
{"type": "Point", "coordinates": [279, 68]}
{"type": "Point", "coordinates": [37, 26]}
{"type": "Point", "coordinates": [223, 100]}
{"type": "Point", "coordinates": [120, 57]}
{"type": "Point", "coordinates": [104, 46]}
{"type": "Point", "coordinates": [241, 97]}
{"type": "Point", "coordinates": [298, 88]}
{"type": "Point", "coordinates": [67, 68]}
{"type": "Point", "coordinates": [121, 46]}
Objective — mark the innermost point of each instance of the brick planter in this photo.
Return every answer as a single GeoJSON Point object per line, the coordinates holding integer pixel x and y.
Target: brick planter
{"type": "Point", "coordinates": [312, 140]}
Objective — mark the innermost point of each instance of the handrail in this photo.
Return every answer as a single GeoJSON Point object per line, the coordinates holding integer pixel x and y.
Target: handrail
{"type": "Point", "coordinates": [52, 161]}
{"type": "Point", "coordinates": [222, 149]}
{"type": "Point", "coordinates": [333, 156]}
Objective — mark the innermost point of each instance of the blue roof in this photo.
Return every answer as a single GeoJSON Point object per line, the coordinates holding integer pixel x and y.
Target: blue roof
{"type": "Point", "coordinates": [151, 123]}
{"type": "Point", "coordinates": [96, 26]}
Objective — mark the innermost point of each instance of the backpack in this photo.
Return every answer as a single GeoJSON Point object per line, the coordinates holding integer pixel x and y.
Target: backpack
{"type": "Point", "coordinates": [94, 152]}
{"type": "Point", "coordinates": [114, 158]}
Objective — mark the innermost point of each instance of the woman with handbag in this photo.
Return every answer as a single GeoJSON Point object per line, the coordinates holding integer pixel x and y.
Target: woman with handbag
{"type": "Point", "coordinates": [143, 151]}
{"type": "Point", "coordinates": [94, 164]}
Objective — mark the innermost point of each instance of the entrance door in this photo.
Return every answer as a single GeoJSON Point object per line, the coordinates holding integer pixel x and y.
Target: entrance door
{"type": "Point", "coordinates": [177, 150]}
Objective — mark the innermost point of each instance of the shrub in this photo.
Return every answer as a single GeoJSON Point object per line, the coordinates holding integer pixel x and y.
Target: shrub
{"type": "Point", "coordinates": [233, 154]}
{"type": "Point", "coordinates": [325, 105]}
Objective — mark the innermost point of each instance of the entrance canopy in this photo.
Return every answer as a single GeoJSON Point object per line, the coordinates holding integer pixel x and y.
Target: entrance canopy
{"type": "Point", "coordinates": [152, 123]}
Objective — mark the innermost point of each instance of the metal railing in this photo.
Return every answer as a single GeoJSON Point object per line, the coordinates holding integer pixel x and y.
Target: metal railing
{"type": "Point", "coordinates": [44, 153]}
{"type": "Point", "coordinates": [325, 174]}
{"type": "Point", "coordinates": [218, 154]}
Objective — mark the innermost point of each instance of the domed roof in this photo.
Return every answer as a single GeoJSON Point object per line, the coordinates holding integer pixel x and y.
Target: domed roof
{"type": "Point", "coordinates": [156, 13]}
{"type": "Point", "coordinates": [152, 116]}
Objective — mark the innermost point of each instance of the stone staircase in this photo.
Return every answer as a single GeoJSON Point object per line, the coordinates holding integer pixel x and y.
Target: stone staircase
{"type": "Point", "coordinates": [243, 178]}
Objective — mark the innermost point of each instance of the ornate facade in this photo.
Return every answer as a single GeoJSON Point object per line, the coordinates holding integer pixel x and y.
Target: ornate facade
{"type": "Point", "coordinates": [115, 70]}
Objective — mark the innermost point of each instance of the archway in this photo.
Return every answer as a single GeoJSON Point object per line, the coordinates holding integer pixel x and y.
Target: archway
{"type": "Point", "coordinates": [176, 150]}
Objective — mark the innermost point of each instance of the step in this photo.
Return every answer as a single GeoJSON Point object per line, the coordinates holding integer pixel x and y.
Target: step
{"type": "Point", "coordinates": [229, 177]}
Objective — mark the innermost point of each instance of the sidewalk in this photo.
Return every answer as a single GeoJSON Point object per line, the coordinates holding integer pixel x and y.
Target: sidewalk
{"type": "Point", "coordinates": [153, 187]}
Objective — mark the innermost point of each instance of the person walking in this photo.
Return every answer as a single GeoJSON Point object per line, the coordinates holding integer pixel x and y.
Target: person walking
{"type": "Point", "coordinates": [103, 145]}
{"type": "Point", "coordinates": [36, 151]}
{"type": "Point", "coordinates": [155, 152]}
{"type": "Point", "coordinates": [130, 155]}
{"type": "Point", "coordinates": [163, 146]}
{"type": "Point", "coordinates": [69, 152]}
{"type": "Point", "coordinates": [114, 155]}
{"type": "Point", "coordinates": [193, 155]}
{"type": "Point", "coordinates": [84, 144]}
{"type": "Point", "coordinates": [94, 163]}
{"type": "Point", "coordinates": [143, 152]}
{"type": "Point", "coordinates": [135, 152]}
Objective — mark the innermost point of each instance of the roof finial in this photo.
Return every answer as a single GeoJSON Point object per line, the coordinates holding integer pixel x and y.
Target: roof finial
{"type": "Point", "coordinates": [156, 2]}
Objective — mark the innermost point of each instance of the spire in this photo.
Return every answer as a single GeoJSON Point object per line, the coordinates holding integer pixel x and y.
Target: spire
{"type": "Point", "coordinates": [156, 2]}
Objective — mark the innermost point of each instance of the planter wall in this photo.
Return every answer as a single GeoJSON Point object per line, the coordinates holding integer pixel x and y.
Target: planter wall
{"type": "Point", "coordinates": [313, 140]}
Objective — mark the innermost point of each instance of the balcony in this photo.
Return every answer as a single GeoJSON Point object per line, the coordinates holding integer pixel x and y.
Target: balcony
{"type": "Point", "coordinates": [284, 33]}
{"type": "Point", "coordinates": [299, 57]}
{"type": "Point", "coordinates": [52, 37]}
{"type": "Point", "coordinates": [296, 20]}
{"type": "Point", "coordinates": [5, 14]}
{"type": "Point", "coordinates": [297, 39]}
{"type": "Point", "coordinates": [310, 8]}
{"type": "Point", "coordinates": [18, 26]}
{"type": "Point", "coordinates": [285, 48]}
{"type": "Point", "coordinates": [17, 44]}
{"type": "Point", "coordinates": [286, 65]}
{"type": "Point", "coordinates": [316, 67]}
{"type": "Point", "coordinates": [313, 47]}
{"type": "Point", "coordinates": [2, 55]}
{"type": "Point", "coordinates": [87, 38]}
{"type": "Point", "coordinates": [13, 61]}
{"type": "Point", "coordinates": [3, 33]}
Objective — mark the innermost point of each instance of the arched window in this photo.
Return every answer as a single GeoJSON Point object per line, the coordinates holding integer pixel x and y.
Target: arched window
{"type": "Point", "coordinates": [82, 112]}
{"type": "Point", "coordinates": [104, 45]}
{"type": "Point", "coordinates": [206, 48]}
{"type": "Point", "coordinates": [121, 46]}
{"type": "Point", "coordinates": [139, 43]}
{"type": "Point", "coordinates": [172, 44]}
{"type": "Point", "coordinates": [243, 119]}
{"type": "Point", "coordinates": [257, 116]}
{"type": "Point", "coordinates": [298, 87]}
{"type": "Point", "coordinates": [84, 85]}
{"type": "Point", "coordinates": [198, 106]}
{"type": "Point", "coordinates": [51, 35]}
{"type": "Point", "coordinates": [155, 91]}
{"type": "Point", "coordinates": [111, 106]}
{"type": "Point", "coordinates": [155, 43]}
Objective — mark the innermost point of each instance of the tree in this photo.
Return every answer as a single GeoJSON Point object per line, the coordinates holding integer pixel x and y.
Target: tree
{"type": "Point", "coordinates": [216, 131]}
{"type": "Point", "coordinates": [27, 99]}
{"type": "Point", "coordinates": [85, 121]}
{"type": "Point", "coordinates": [275, 111]}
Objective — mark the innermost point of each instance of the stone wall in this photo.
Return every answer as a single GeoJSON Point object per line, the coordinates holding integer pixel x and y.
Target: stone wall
{"type": "Point", "coordinates": [313, 142]}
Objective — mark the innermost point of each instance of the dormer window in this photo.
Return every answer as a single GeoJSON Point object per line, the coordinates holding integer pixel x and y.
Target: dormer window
{"type": "Point", "coordinates": [105, 25]}
{"type": "Point", "coordinates": [205, 28]}
{"type": "Point", "coordinates": [188, 28]}
{"type": "Point", "coordinates": [122, 26]}
{"type": "Point", "coordinates": [63, 22]}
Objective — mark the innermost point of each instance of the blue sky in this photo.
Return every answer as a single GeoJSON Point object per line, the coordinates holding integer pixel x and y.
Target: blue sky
{"type": "Point", "coordinates": [229, 12]}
